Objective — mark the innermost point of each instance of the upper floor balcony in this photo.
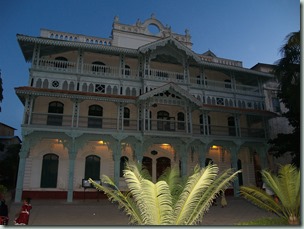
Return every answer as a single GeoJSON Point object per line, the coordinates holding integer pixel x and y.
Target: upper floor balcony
{"type": "Point", "coordinates": [114, 72]}
{"type": "Point", "coordinates": [160, 127]}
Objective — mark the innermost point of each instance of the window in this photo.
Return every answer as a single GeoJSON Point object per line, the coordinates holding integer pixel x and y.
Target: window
{"type": "Point", "coordinates": [227, 83]}
{"type": "Point", "coordinates": [123, 162]}
{"type": "Point", "coordinates": [231, 126]}
{"type": "Point", "coordinates": [100, 88]}
{"type": "Point", "coordinates": [92, 167]}
{"type": "Point", "coordinates": [163, 125]}
{"type": "Point", "coordinates": [49, 172]}
{"type": "Point", "coordinates": [181, 121]}
{"type": "Point", "coordinates": [95, 114]}
{"type": "Point", "coordinates": [61, 62]}
{"type": "Point", "coordinates": [126, 116]}
{"type": "Point", "coordinates": [127, 70]}
{"type": "Point", "coordinates": [55, 111]}
{"type": "Point", "coordinates": [206, 127]}
{"type": "Point", "coordinates": [198, 80]}
{"type": "Point", "coordinates": [219, 101]}
{"type": "Point", "coordinates": [276, 105]}
{"type": "Point", "coordinates": [98, 66]}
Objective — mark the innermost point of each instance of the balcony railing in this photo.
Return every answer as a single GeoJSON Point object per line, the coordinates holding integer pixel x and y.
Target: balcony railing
{"type": "Point", "coordinates": [45, 120]}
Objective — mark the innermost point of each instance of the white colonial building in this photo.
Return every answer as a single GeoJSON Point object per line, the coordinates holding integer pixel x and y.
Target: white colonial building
{"type": "Point", "coordinates": [142, 95]}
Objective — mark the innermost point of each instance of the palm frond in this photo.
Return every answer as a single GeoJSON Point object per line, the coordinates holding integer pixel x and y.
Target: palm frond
{"type": "Point", "coordinates": [220, 184]}
{"type": "Point", "coordinates": [172, 178]}
{"type": "Point", "coordinates": [261, 199]}
{"type": "Point", "coordinates": [196, 185]}
{"type": "Point", "coordinates": [158, 203]}
{"type": "Point", "coordinates": [116, 196]}
{"type": "Point", "coordinates": [286, 186]}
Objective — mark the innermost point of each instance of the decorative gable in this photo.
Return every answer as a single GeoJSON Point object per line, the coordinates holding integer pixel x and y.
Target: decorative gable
{"type": "Point", "coordinates": [170, 90]}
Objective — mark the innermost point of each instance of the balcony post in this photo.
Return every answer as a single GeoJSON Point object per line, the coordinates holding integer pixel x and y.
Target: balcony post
{"type": "Point", "coordinates": [36, 55]}
{"type": "Point", "coordinates": [72, 157]}
{"type": "Point", "coordinates": [80, 61]}
{"type": "Point", "coordinates": [202, 150]}
{"type": "Point", "coordinates": [234, 150]}
{"type": "Point", "coordinates": [116, 152]}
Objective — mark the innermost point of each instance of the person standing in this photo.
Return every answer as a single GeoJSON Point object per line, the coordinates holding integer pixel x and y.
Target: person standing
{"type": "Point", "coordinates": [223, 200]}
{"type": "Point", "coordinates": [3, 213]}
{"type": "Point", "coordinates": [24, 215]}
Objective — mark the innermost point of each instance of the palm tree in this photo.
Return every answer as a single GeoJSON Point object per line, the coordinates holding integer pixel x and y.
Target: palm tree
{"type": "Point", "coordinates": [170, 201]}
{"type": "Point", "coordinates": [286, 186]}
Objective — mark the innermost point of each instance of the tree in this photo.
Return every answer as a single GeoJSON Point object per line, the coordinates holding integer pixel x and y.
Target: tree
{"type": "Point", "coordinates": [287, 71]}
{"type": "Point", "coordinates": [170, 201]}
{"type": "Point", "coordinates": [1, 90]}
{"type": "Point", "coordinates": [286, 186]}
{"type": "Point", "coordinates": [9, 166]}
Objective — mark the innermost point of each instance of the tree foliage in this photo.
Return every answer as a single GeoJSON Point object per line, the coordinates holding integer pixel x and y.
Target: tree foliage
{"type": "Point", "coordinates": [170, 201]}
{"type": "Point", "coordinates": [286, 186]}
{"type": "Point", "coordinates": [287, 70]}
{"type": "Point", "coordinates": [9, 165]}
{"type": "Point", "coordinates": [1, 90]}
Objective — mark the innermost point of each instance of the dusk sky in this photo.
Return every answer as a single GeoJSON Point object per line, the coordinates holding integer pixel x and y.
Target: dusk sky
{"type": "Point", "coordinates": [251, 31]}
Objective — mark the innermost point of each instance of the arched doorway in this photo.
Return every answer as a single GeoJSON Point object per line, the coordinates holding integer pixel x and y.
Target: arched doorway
{"type": "Point", "coordinates": [147, 164]}
{"type": "Point", "coordinates": [162, 163]}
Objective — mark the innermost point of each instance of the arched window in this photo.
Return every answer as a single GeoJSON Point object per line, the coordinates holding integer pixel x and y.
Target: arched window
{"type": "Point", "coordinates": [92, 167]}
{"type": "Point", "coordinates": [181, 121]}
{"type": "Point", "coordinates": [95, 114]}
{"type": "Point", "coordinates": [126, 116]}
{"type": "Point", "coordinates": [231, 126]}
{"type": "Point", "coordinates": [55, 111]}
{"type": "Point", "coordinates": [49, 171]}
{"type": "Point", "coordinates": [123, 162]}
{"type": "Point", "coordinates": [98, 66]}
{"type": "Point", "coordinates": [163, 125]}
{"type": "Point", "coordinates": [61, 62]}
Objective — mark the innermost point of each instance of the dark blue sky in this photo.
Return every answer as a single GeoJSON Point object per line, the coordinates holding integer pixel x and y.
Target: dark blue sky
{"type": "Point", "coordinates": [251, 31]}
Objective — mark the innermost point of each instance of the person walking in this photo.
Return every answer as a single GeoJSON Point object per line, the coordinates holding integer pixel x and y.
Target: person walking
{"type": "Point", "coordinates": [24, 214]}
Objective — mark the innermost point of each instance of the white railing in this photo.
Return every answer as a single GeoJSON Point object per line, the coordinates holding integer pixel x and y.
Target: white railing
{"type": "Point", "coordinates": [156, 74]}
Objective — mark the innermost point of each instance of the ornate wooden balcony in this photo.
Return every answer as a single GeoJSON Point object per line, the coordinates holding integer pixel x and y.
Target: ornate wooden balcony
{"type": "Point", "coordinates": [160, 126]}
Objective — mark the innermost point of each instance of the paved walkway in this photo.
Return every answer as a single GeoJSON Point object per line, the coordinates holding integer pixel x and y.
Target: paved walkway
{"type": "Point", "coordinates": [103, 212]}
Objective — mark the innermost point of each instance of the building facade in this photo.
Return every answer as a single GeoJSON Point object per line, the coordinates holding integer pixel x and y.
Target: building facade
{"type": "Point", "coordinates": [142, 95]}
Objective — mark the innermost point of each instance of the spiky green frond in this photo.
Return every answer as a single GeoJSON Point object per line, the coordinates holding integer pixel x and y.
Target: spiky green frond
{"type": "Point", "coordinates": [286, 186]}
{"type": "Point", "coordinates": [115, 195]}
{"type": "Point", "coordinates": [196, 185]}
{"type": "Point", "coordinates": [260, 198]}
{"type": "Point", "coordinates": [215, 188]}
{"type": "Point", "coordinates": [159, 203]}
{"type": "Point", "coordinates": [153, 200]}
{"type": "Point", "coordinates": [172, 178]}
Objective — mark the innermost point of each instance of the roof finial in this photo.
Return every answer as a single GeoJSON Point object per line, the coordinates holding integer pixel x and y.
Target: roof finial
{"type": "Point", "coordinates": [153, 15]}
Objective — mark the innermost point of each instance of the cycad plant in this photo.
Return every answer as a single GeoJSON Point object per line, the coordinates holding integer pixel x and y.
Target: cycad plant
{"type": "Point", "coordinates": [170, 201]}
{"type": "Point", "coordinates": [286, 186]}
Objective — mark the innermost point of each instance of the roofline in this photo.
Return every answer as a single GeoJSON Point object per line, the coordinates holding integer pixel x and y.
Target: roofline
{"type": "Point", "coordinates": [7, 125]}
